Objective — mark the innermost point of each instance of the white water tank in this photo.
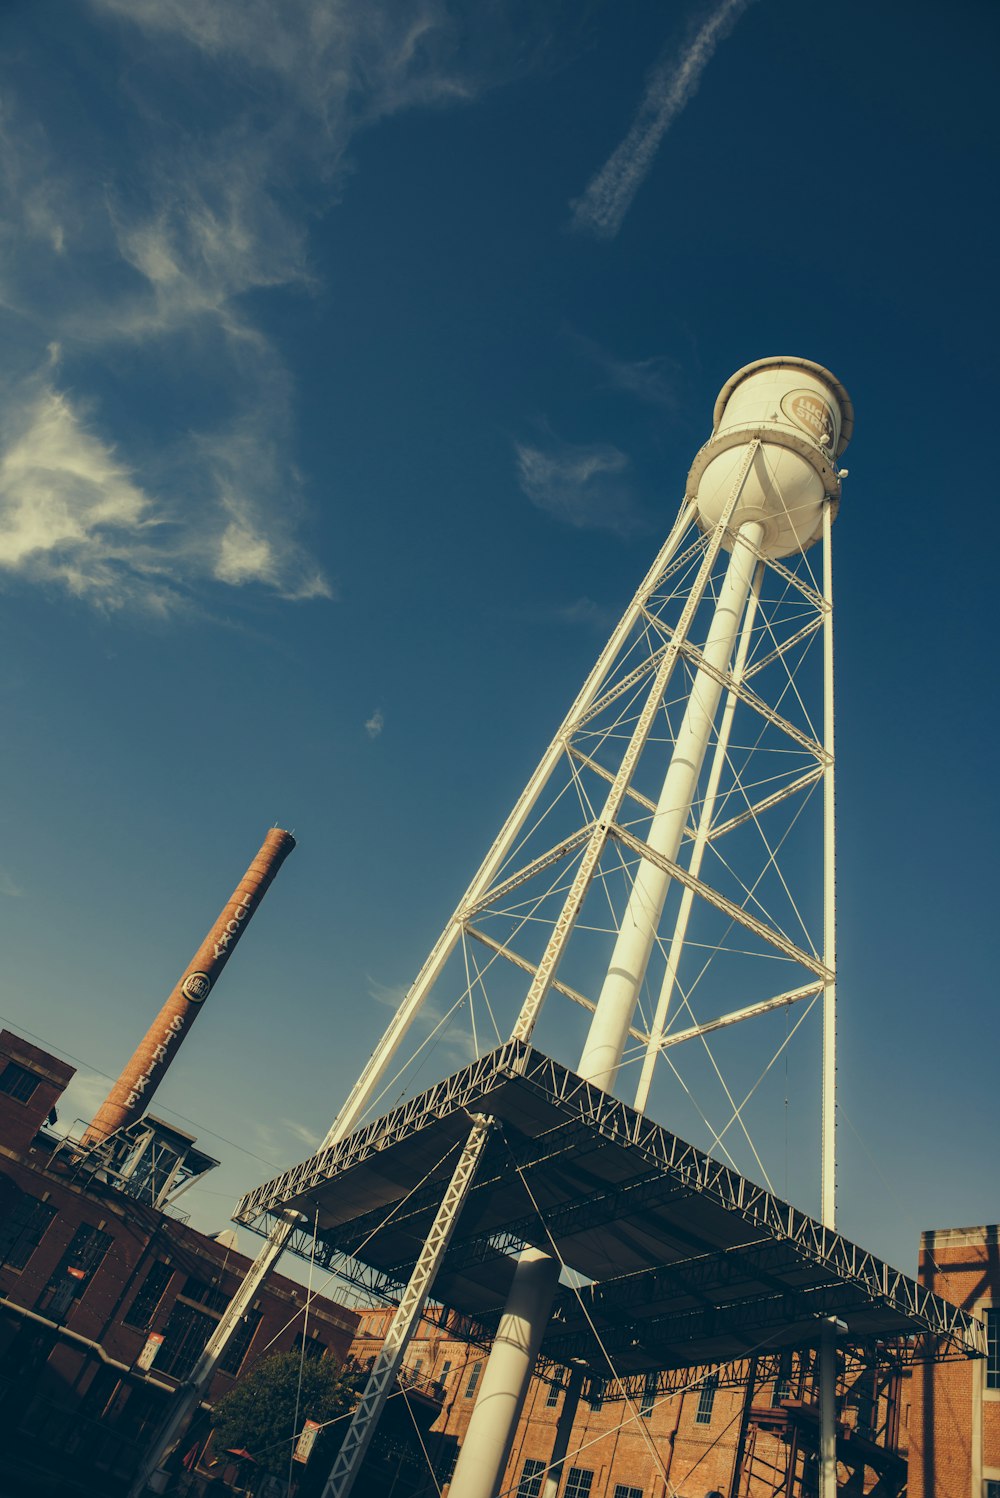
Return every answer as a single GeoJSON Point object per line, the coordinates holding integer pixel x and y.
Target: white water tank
{"type": "Point", "coordinates": [803, 418]}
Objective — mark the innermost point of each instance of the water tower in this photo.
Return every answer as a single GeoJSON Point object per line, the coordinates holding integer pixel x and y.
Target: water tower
{"type": "Point", "coordinates": [663, 886]}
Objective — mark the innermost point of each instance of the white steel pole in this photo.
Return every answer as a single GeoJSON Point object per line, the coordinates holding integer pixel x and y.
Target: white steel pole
{"type": "Point", "coordinates": [828, 1408]}
{"type": "Point", "coordinates": [486, 1447]}
{"type": "Point", "coordinates": [679, 936]}
{"type": "Point", "coordinates": [828, 1335]}
{"type": "Point", "coordinates": [605, 1044]}
{"type": "Point", "coordinates": [829, 1121]}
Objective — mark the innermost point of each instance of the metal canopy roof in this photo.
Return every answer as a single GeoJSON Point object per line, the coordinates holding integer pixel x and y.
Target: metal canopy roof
{"type": "Point", "coordinates": [691, 1263]}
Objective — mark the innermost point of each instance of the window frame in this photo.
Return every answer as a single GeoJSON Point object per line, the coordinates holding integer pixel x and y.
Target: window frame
{"type": "Point", "coordinates": [579, 1482]}
{"type": "Point", "coordinates": [19, 1226]}
{"type": "Point", "coordinates": [530, 1483]}
{"type": "Point", "coordinates": [19, 1075]}
{"type": "Point", "coordinates": [706, 1399]}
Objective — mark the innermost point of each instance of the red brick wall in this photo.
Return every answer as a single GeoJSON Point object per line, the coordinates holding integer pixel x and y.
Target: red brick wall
{"type": "Point", "coordinates": [954, 1430]}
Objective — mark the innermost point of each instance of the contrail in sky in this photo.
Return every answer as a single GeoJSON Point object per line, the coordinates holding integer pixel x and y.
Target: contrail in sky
{"type": "Point", "coordinates": [608, 196]}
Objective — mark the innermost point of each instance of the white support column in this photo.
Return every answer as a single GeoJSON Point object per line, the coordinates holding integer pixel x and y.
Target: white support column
{"type": "Point", "coordinates": [502, 1389]}
{"type": "Point", "coordinates": [829, 1120]}
{"type": "Point", "coordinates": [697, 853]}
{"type": "Point", "coordinates": [828, 1342]}
{"type": "Point", "coordinates": [587, 868]}
{"type": "Point", "coordinates": [486, 1447]}
{"type": "Point", "coordinates": [602, 1053]}
{"type": "Point", "coordinates": [828, 1409]}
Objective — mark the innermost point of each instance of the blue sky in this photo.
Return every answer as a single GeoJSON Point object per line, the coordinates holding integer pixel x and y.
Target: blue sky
{"type": "Point", "coordinates": [351, 368]}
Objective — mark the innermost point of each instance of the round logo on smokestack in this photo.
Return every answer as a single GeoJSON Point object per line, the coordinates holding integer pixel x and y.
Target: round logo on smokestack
{"type": "Point", "coordinates": [196, 987]}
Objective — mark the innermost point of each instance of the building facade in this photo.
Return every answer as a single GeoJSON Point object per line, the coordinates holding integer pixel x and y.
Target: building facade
{"type": "Point", "coordinates": [106, 1302]}
{"type": "Point", "coordinates": [954, 1443]}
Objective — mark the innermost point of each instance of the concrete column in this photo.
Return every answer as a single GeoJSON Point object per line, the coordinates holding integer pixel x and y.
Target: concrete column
{"type": "Point", "coordinates": [486, 1448]}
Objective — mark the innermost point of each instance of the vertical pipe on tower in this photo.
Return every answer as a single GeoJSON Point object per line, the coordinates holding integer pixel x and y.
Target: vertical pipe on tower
{"type": "Point", "coordinates": [608, 1033]}
{"type": "Point", "coordinates": [140, 1077]}
{"type": "Point", "coordinates": [677, 940]}
{"type": "Point", "coordinates": [486, 1447]}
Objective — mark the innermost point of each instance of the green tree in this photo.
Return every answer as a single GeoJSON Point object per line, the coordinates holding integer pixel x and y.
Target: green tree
{"type": "Point", "coordinates": [258, 1414]}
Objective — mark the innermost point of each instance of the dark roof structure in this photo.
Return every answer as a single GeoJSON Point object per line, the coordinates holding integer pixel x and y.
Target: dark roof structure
{"type": "Point", "coordinates": [685, 1262]}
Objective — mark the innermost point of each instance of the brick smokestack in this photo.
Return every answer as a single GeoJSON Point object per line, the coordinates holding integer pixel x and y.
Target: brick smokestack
{"type": "Point", "coordinates": [130, 1095]}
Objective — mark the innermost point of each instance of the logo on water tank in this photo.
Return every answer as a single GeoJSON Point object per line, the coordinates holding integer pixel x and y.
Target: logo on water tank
{"type": "Point", "coordinates": [810, 412]}
{"type": "Point", "coordinates": [196, 987]}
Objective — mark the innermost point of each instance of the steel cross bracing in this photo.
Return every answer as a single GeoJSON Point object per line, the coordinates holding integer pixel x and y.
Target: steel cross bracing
{"type": "Point", "coordinates": [555, 884]}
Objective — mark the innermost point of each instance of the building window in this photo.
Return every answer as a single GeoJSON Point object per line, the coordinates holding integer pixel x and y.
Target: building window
{"type": "Point", "coordinates": [22, 1229]}
{"type": "Point", "coordinates": [75, 1270]}
{"type": "Point", "coordinates": [624, 1491]}
{"type": "Point", "coordinates": [18, 1082]}
{"type": "Point", "coordinates": [474, 1377]}
{"type": "Point", "coordinates": [595, 1393]}
{"type": "Point", "coordinates": [579, 1482]}
{"type": "Point", "coordinates": [184, 1338]}
{"type": "Point", "coordinates": [648, 1396]}
{"type": "Point", "coordinates": [209, 1296]}
{"type": "Point", "coordinates": [782, 1389]}
{"type": "Point", "coordinates": [706, 1399]}
{"type": "Point", "coordinates": [991, 1488]}
{"type": "Point", "coordinates": [555, 1389]}
{"type": "Point", "coordinates": [239, 1343]}
{"type": "Point", "coordinates": [993, 1347]}
{"type": "Point", "coordinates": [143, 1308]}
{"type": "Point", "coordinates": [315, 1346]}
{"type": "Point", "coordinates": [445, 1370]}
{"type": "Point", "coordinates": [532, 1472]}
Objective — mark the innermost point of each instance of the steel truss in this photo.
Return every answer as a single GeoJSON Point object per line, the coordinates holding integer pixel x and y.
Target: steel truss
{"type": "Point", "coordinates": [802, 1269]}
{"type": "Point", "coordinates": [560, 870]}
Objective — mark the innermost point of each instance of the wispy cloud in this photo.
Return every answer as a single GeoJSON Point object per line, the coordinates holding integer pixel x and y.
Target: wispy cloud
{"type": "Point", "coordinates": [674, 81]}
{"type": "Point", "coordinates": [655, 380]}
{"type": "Point", "coordinates": [581, 484]}
{"type": "Point", "coordinates": [9, 888]}
{"type": "Point", "coordinates": [375, 724]}
{"type": "Point", "coordinates": [146, 244]}
{"type": "Point", "coordinates": [586, 612]}
{"type": "Point", "coordinates": [72, 513]}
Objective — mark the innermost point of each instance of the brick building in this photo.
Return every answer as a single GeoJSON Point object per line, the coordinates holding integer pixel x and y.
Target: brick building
{"type": "Point", "coordinates": [690, 1439]}
{"type": "Point", "coordinates": [954, 1436]}
{"type": "Point", "coordinates": [105, 1301]}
